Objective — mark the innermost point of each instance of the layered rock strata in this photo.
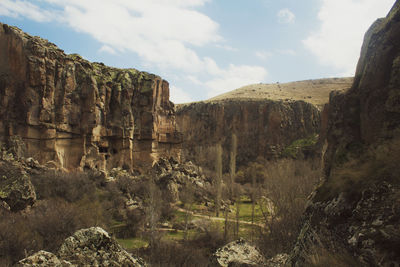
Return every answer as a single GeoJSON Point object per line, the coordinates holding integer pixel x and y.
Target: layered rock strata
{"type": "Point", "coordinates": [74, 114]}
{"type": "Point", "coordinates": [263, 128]}
{"type": "Point", "coordinates": [353, 217]}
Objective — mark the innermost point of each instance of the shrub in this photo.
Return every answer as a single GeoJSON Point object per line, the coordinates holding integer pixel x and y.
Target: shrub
{"type": "Point", "coordinates": [287, 184]}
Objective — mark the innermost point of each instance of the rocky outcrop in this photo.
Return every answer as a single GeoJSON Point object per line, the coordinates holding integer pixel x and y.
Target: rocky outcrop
{"type": "Point", "coordinates": [16, 189]}
{"type": "Point", "coordinates": [264, 128]}
{"type": "Point", "coordinates": [43, 259]}
{"type": "Point", "coordinates": [86, 247]}
{"type": "Point", "coordinates": [237, 253]}
{"type": "Point", "coordinates": [94, 247]}
{"type": "Point", "coordinates": [353, 216]}
{"type": "Point", "coordinates": [173, 177]}
{"type": "Point", "coordinates": [74, 114]}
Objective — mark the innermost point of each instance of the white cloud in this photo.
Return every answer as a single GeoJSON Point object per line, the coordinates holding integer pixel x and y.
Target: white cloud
{"type": "Point", "coordinates": [264, 55]}
{"type": "Point", "coordinates": [194, 80]}
{"type": "Point", "coordinates": [159, 31]}
{"type": "Point", "coordinates": [163, 33]}
{"type": "Point", "coordinates": [24, 9]}
{"type": "Point", "coordinates": [227, 47]}
{"type": "Point", "coordinates": [338, 41]}
{"type": "Point", "coordinates": [287, 52]}
{"type": "Point", "coordinates": [286, 16]}
{"type": "Point", "coordinates": [178, 96]}
{"type": "Point", "coordinates": [235, 77]}
{"type": "Point", "coordinates": [107, 49]}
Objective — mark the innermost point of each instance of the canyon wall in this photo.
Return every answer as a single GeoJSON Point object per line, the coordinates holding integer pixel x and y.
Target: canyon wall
{"type": "Point", "coordinates": [353, 217]}
{"type": "Point", "coordinates": [264, 128]}
{"type": "Point", "coordinates": [72, 114]}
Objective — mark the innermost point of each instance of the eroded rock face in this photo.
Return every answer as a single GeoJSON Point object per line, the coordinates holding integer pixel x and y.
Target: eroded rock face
{"type": "Point", "coordinates": [353, 216]}
{"type": "Point", "coordinates": [237, 253]}
{"type": "Point", "coordinates": [16, 189]}
{"type": "Point", "coordinates": [75, 114]}
{"type": "Point", "coordinates": [94, 247]}
{"type": "Point", "coordinates": [263, 128]}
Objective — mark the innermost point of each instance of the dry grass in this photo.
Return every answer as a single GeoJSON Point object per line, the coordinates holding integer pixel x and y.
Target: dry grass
{"type": "Point", "coordinates": [315, 92]}
{"type": "Point", "coordinates": [375, 165]}
{"type": "Point", "coordinates": [320, 257]}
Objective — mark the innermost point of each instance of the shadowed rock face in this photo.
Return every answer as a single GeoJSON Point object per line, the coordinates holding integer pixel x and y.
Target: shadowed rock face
{"type": "Point", "coordinates": [263, 128]}
{"type": "Point", "coordinates": [75, 114]}
{"type": "Point", "coordinates": [354, 214]}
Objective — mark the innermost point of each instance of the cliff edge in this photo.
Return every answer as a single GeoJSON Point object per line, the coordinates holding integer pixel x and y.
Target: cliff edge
{"type": "Point", "coordinates": [353, 217]}
{"type": "Point", "coordinates": [72, 114]}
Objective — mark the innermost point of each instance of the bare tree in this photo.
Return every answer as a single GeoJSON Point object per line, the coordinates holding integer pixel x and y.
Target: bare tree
{"type": "Point", "coordinates": [232, 164]}
{"type": "Point", "coordinates": [218, 178]}
{"type": "Point", "coordinates": [187, 198]}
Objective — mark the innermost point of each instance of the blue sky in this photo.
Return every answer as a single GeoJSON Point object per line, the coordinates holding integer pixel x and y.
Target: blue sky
{"type": "Point", "coordinates": [206, 47]}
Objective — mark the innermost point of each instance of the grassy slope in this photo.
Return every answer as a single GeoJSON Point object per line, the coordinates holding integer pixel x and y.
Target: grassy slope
{"type": "Point", "coordinates": [315, 92]}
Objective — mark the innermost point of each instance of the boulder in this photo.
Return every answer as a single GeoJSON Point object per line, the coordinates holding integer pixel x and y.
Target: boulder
{"type": "Point", "coordinates": [237, 253]}
{"type": "Point", "coordinates": [172, 177]}
{"type": "Point", "coordinates": [43, 259]}
{"type": "Point", "coordinates": [16, 188]}
{"type": "Point", "coordinates": [95, 247]}
{"type": "Point", "coordinates": [278, 260]}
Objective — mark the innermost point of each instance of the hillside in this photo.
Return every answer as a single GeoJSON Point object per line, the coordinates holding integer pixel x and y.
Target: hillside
{"type": "Point", "coordinates": [315, 92]}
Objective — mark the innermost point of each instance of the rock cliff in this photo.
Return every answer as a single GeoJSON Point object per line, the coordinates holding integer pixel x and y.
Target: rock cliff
{"type": "Point", "coordinates": [353, 217]}
{"type": "Point", "coordinates": [73, 114]}
{"type": "Point", "coordinates": [264, 128]}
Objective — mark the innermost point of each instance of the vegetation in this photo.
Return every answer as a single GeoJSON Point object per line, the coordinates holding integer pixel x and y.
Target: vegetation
{"type": "Point", "coordinates": [360, 172]}
{"type": "Point", "coordinates": [300, 145]}
{"type": "Point", "coordinates": [262, 202]}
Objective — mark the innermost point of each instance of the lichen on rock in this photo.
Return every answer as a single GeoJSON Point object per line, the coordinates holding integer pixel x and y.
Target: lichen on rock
{"type": "Point", "coordinates": [16, 189]}
{"type": "Point", "coordinates": [238, 253]}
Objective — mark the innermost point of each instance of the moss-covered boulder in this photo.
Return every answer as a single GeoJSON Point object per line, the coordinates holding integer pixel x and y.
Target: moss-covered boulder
{"type": "Point", "coordinates": [16, 188]}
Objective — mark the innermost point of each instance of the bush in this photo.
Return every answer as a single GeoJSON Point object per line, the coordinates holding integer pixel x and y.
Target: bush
{"type": "Point", "coordinates": [287, 184]}
{"type": "Point", "coordinates": [71, 187]}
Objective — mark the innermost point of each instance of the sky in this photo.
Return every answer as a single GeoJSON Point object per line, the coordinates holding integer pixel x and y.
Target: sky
{"type": "Point", "coordinates": [204, 48]}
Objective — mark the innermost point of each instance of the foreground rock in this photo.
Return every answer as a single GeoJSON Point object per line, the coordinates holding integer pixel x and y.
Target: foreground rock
{"type": "Point", "coordinates": [74, 114]}
{"type": "Point", "coordinates": [237, 253]}
{"type": "Point", "coordinates": [94, 247]}
{"type": "Point", "coordinates": [86, 247]}
{"type": "Point", "coordinates": [353, 218]}
{"type": "Point", "coordinates": [43, 259]}
{"type": "Point", "coordinates": [16, 189]}
{"type": "Point", "coordinates": [278, 260]}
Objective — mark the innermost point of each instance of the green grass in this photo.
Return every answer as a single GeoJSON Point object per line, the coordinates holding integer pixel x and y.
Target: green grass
{"type": "Point", "coordinates": [245, 212]}
{"type": "Point", "coordinates": [132, 243]}
{"type": "Point", "coordinates": [298, 145]}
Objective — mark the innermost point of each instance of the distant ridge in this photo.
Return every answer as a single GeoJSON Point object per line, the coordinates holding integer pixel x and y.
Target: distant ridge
{"type": "Point", "coordinates": [315, 92]}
